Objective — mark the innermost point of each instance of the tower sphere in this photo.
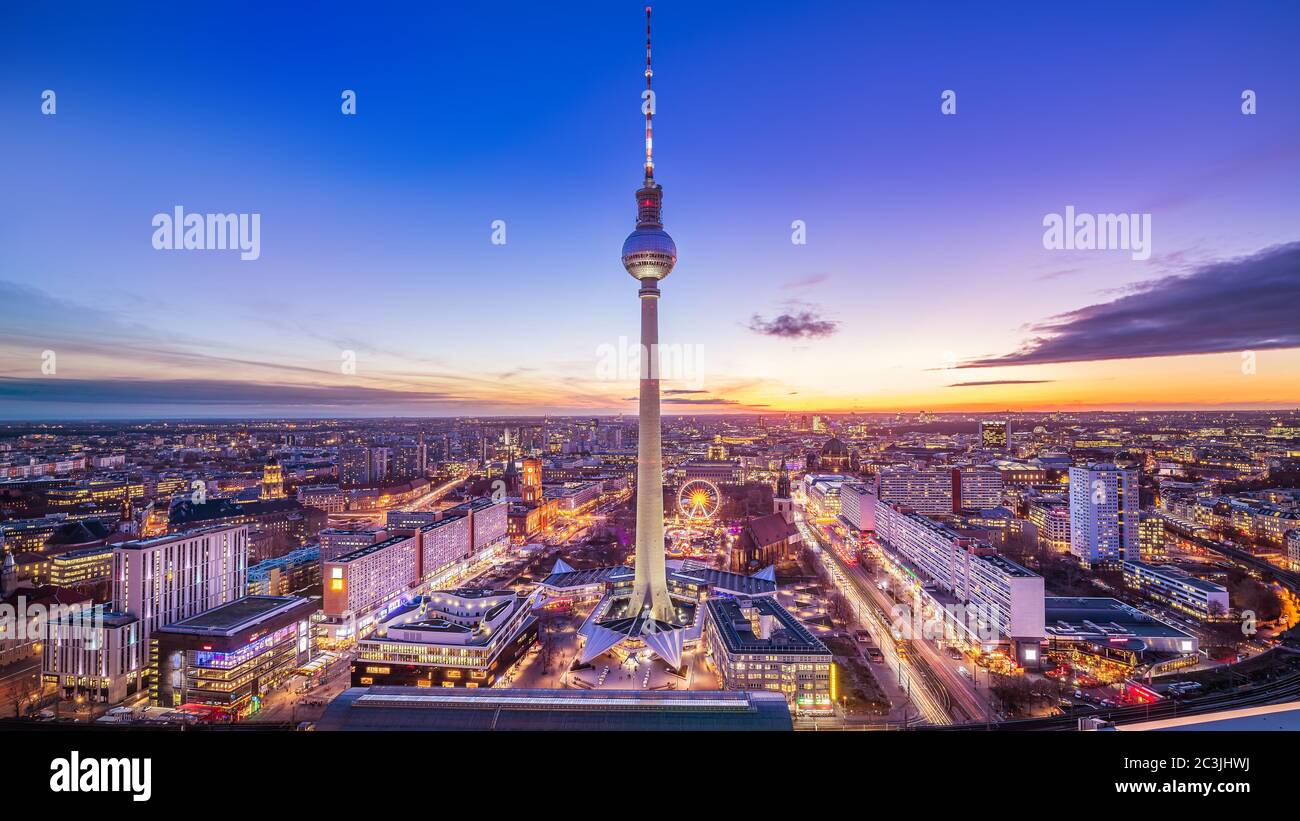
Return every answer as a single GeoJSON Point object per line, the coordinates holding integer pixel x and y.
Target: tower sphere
{"type": "Point", "coordinates": [649, 253]}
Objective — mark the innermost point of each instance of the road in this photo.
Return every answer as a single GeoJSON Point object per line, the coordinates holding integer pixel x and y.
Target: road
{"type": "Point", "coordinates": [378, 517]}
{"type": "Point", "coordinates": [964, 701]}
{"type": "Point", "coordinates": [928, 700]}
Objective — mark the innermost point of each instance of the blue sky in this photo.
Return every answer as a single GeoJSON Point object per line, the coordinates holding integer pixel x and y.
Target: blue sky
{"type": "Point", "coordinates": [924, 231]}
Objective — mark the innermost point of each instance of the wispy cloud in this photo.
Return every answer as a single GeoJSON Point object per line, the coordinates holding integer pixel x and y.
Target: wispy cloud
{"type": "Point", "coordinates": [1232, 305]}
{"type": "Point", "coordinates": [805, 282]}
{"type": "Point", "coordinates": [1000, 382]}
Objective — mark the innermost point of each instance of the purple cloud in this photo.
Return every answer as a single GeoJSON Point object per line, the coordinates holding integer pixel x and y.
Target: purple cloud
{"type": "Point", "coordinates": [1241, 304]}
{"type": "Point", "coordinates": [802, 324]}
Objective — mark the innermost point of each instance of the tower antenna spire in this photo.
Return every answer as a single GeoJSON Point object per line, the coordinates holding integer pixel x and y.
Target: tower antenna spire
{"type": "Point", "coordinates": [649, 105]}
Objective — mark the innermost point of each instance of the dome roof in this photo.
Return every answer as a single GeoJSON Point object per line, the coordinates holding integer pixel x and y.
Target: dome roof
{"type": "Point", "coordinates": [649, 253]}
{"type": "Point", "coordinates": [834, 447]}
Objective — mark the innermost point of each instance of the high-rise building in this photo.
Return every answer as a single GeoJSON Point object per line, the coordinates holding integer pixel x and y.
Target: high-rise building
{"type": "Point", "coordinates": [170, 578]}
{"type": "Point", "coordinates": [858, 506]}
{"type": "Point", "coordinates": [381, 465]}
{"type": "Point", "coordinates": [649, 255]}
{"type": "Point", "coordinates": [976, 488]}
{"type": "Point", "coordinates": [354, 466]}
{"type": "Point", "coordinates": [993, 434]}
{"type": "Point", "coordinates": [1104, 525]}
{"type": "Point", "coordinates": [1151, 538]}
{"type": "Point", "coordinates": [407, 462]}
{"type": "Point", "coordinates": [928, 491]}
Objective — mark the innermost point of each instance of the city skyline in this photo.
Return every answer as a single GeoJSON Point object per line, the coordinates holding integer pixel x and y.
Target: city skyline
{"type": "Point", "coordinates": [961, 394]}
{"type": "Point", "coordinates": [924, 283]}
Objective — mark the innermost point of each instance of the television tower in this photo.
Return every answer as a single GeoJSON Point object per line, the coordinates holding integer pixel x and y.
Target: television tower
{"type": "Point", "coordinates": [649, 255]}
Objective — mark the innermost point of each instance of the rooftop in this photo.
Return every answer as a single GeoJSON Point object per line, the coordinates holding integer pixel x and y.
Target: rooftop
{"type": "Point", "coordinates": [1177, 575]}
{"type": "Point", "coordinates": [154, 541]}
{"type": "Point", "coordinates": [369, 549]}
{"type": "Point", "coordinates": [237, 615]}
{"type": "Point", "coordinates": [411, 708]}
{"type": "Point", "coordinates": [736, 629]}
{"type": "Point", "coordinates": [1101, 618]}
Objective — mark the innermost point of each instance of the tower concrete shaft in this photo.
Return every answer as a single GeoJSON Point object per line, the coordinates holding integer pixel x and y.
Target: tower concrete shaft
{"type": "Point", "coordinates": [650, 586]}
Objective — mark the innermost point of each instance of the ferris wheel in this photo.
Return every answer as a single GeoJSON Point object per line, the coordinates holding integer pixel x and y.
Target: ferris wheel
{"type": "Point", "coordinates": [699, 500]}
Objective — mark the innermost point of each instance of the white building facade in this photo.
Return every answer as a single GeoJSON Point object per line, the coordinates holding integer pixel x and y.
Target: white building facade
{"type": "Point", "coordinates": [1104, 525]}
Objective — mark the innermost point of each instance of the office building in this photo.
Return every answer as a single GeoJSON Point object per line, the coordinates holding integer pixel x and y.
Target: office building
{"type": "Point", "coordinates": [82, 567]}
{"type": "Point", "coordinates": [295, 570]}
{"type": "Point", "coordinates": [756, 644]}
{"type": "Point", "coordinates": [329, 498]}
{"type": "Point", "coordinates": [719, 472]}
{"type": "Point", "coordinates": [155, 583]}
{"type": "Point", "coordinates": [170, 578]}
{"type": "Point", "coordinates": [822, 494]}
{"type": "Point", "coordinates": [993, 434]}
{"type": "Point", "coordinates": [96, 654]}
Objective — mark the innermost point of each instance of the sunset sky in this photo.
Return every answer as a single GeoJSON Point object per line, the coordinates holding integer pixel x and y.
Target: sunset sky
{"type": "Point", "coordinates": [924, 283]}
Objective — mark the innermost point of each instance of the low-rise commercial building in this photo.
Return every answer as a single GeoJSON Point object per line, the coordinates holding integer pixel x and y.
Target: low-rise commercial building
{"type": "Point", "coordinates": [1178, 589]}
{"type": "Point", "coordinates": [1108, 631]}
{"type": "Point", "coordinates": [756, 644]}
{"type": "Point", "coordinates": [229, 657]}
{"type": "Point", "coordinates": [450, 638]}
{"type": "Point", "coordinates": [81, 567]}
{"type": "Point", "coordinates": [409, 708]}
